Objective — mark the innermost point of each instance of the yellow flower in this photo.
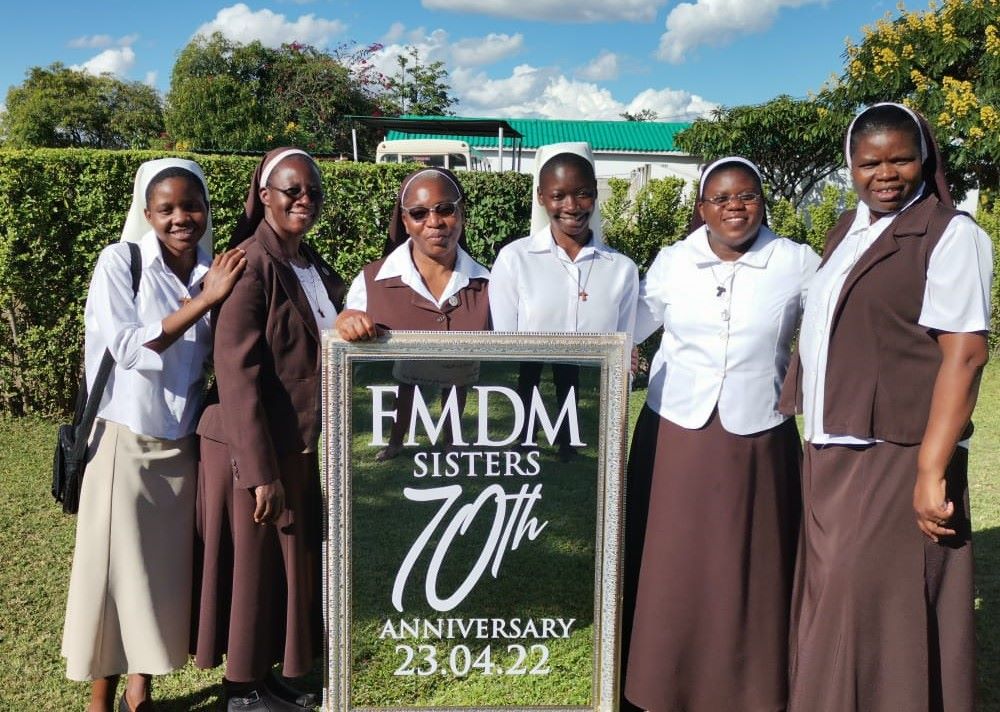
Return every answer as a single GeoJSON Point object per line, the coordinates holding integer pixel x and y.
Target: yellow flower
{"type": "Point", "coordinates": [921, 82]}
{"type": "Point", "coordinates": [857, 69]}
{"type": "Point", "coordinates": [959, 96]}
{"type": "Point", "coordinates": [908, 51]}
{"type": "Point", "coordinates": [944, 118]}
{"type": "Point", "coordinates": [948, 32]}
{"type": "Point", "coordinates": [913, 22]}
{"type": "Point", "coordinates": [989, 117]}
{"type": "Point", "coordinates": [992, 40]}
{"type": "Point", "coordinates": [885, 61]}
{"type": "Point", "coordinates": [976, 133]}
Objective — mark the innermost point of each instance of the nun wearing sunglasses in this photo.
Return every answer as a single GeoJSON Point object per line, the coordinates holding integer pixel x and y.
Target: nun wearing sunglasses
{"type": "Point", "coordinates": [425, 281]}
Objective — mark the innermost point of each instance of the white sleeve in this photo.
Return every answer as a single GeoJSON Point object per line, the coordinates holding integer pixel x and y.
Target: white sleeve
{"type": "Point", "coordinates": [809, 264]}
{"type": "Point", "coordinates": [959, 277]}
{"type": "Point", "coordinates": [111, 309]}
{"type": "Point", "coordinates": [503, 293]}
{"type": "Point", "coordinates": [629, 302]}
{"type": "Point", "coordinates": [357, 295]}
{"type": "Point", "coordinates": [652, 300]}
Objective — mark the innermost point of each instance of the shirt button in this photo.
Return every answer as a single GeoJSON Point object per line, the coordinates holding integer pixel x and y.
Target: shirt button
{"type": "Point", "coordinates": [440, 319]}
{"type": "Point", "coordinates": [453, 300]}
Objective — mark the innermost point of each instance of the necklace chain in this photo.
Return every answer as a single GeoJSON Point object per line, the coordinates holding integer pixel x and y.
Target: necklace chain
{"type": "Point", "coordinates": [724, 288]}
{"type": "Point", "coordinates": [313, 288]}
{"type": "Point", "coordinates": [581, 288]}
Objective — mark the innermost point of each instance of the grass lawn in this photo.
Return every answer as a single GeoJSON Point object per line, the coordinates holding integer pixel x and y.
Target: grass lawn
{"type": "Point", "coordinates": [36, 542]}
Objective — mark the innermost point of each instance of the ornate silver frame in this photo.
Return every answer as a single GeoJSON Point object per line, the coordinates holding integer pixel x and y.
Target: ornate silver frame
{"type": "Point", "coordinates": [608, 351]}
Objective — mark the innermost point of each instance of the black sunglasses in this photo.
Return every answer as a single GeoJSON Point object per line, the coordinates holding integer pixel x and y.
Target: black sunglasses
{"type": "Point", "coordinates": [419, 213]}
{"type": "Point", "coordinates": [296, 192]}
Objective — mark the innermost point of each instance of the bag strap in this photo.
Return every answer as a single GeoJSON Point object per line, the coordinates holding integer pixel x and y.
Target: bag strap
{"type": "Point", "coordinates": [93, 400]}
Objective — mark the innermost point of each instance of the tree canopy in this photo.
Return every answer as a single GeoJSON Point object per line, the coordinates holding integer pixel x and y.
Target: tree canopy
{"type": "Point", "coordinates": [944, 62]}
{"type": "Point", "coordinates": [796, 143]}
{"type": "Point", "coordinates": [420, 88]}
{"type": "Point", "coordinates": [61, 107]}
{"type": "Point", "coordinates": [226, 95]}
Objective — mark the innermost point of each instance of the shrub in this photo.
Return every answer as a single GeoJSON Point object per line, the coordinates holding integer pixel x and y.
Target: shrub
{"type": "Point", "coordinates": [60, 207]}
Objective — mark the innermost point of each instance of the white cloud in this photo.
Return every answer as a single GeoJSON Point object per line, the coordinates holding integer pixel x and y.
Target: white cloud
{"type": "Point", "coordinates": [716, 23]}
{"type": "Point", "coordinates": [150, 79]}
{"type": "Point", "coordinates": [602, 68]}
{"type": "Point", "coordinates": [97, 41]}
{"type": "Point", "coordinates": [474, 51]}
{"type": "Point", "coordinates": [515, 95]}
{"type": "Point", "coordinates": [556, 10]}
{"type": "Point", "coordinates": [394, 33]}
{"type": "Point", "coordinates": [111, 61]}
{"type": "Point", "coordinates": [91, 41]}
{"type": "Point", "coordinates": [241, 24]}
{"type": "Point", "coordinates": [436, 46]}
{"type": "Point", "coordinates": [671, 104]}
{"type": "Point", "coordinates": [545, 93]}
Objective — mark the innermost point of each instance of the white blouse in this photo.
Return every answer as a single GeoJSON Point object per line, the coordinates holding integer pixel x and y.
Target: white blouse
{"type": "Point", "coordinates": [399, 263]}
{"type": "Point", "coordinates": [956, 299]}
{"type": "Point", "coordinates": [151, 394]}
{"type": "Point", "coordinates": [728, 328]}
{"type": "Point", "coordinates": [535, 286]}
{"type": "Point", "coordinates": [324, 312]}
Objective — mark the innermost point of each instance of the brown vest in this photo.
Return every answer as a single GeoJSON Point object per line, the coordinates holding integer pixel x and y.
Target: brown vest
{"type": "Point", "coordinates": [393, 305]}
{"type": "Point", "coordinates": [882, 364]}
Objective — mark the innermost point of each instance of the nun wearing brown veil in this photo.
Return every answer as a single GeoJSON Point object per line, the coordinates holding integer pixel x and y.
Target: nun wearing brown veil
{"type": "Point", "coordinates": [892, 346]}
{"type": "Point", "coordinates": [259, 505]}
{"type": "Point", "coordinates": [712, 489]}
{"type": "Point", "coordinates": [426, 281]}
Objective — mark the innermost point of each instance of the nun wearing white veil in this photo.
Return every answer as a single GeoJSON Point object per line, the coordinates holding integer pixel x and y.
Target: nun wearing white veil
{"type": "Point", "coordinates": [130, 588]}
{"type": "Point", "coordinates": [562, 277]}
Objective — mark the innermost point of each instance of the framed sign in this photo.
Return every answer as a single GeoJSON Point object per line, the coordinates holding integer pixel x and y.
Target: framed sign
{"type": "Point", "coordinates": [474, 520]}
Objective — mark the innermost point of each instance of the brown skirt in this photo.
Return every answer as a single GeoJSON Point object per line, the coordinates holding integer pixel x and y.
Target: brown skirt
{"type": "Point", "coordinates": [710, 630]}
{"type": "Point", "coordinates": [260, 588]}
{"type": "Point", "coordinates": [882, 616]}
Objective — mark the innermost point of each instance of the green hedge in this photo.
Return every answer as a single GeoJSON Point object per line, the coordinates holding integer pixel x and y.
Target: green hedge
{"type": "Point", "coordinates": [59, 208]}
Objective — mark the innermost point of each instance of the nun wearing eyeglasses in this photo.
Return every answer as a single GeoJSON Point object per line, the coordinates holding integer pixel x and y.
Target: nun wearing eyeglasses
{"type": "Point", "coordinates": [425, 281]}
{"type": "Point", "coordinates": [713, 499]}
{"type": "Point", "coordinates": [259, 503]}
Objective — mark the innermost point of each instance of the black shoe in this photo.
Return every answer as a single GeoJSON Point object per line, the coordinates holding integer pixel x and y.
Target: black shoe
{"type": "Point", "coordinates": [259, 699]}
{"type": "Point", "coordinates": [279, 687]}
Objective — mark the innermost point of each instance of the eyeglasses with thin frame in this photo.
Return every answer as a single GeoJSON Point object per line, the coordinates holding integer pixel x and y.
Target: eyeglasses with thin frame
{"type": "Point", "coordinates": [419, 213]}
{"type": "Point", "coordinates": [296, 192]}
{"type": "Point", "coordinates": [743, 198]}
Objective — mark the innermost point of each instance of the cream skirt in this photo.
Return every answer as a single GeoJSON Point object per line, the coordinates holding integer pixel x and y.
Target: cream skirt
{"type": "Point", "coordinates": [129, 603]}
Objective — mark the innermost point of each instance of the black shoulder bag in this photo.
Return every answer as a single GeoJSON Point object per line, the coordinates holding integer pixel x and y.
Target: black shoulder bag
{"type": "Point", "coordinates": [70, 457]}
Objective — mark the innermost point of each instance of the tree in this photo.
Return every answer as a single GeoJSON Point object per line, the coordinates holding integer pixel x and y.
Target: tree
{"type": "Point", "coordinates": [944, 62]}
{"type": "Point", "coordinates": [61, 107]}
{"type": "Point", "coordinates": [421, 89]}
{"type": "Point", "coordinates": [219, 95]}
{"type": "Point", "coordinates": [641, 115]}
{"type": "Point", "coordinates": [796, 143]}
{"type": "Point", "coordinates": [227, 95]}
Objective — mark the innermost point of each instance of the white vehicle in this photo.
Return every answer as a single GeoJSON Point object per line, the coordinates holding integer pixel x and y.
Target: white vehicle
{"type": "Point", "coordinates": [439, 152]}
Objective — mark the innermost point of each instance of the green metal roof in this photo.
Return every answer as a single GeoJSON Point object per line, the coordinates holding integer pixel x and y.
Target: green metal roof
{"type": "Point", "coordinates": [639, 136]}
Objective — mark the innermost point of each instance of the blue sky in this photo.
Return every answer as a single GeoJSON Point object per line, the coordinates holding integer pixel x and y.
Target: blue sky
{"type": "Point", "coordinates": [589, 59]}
